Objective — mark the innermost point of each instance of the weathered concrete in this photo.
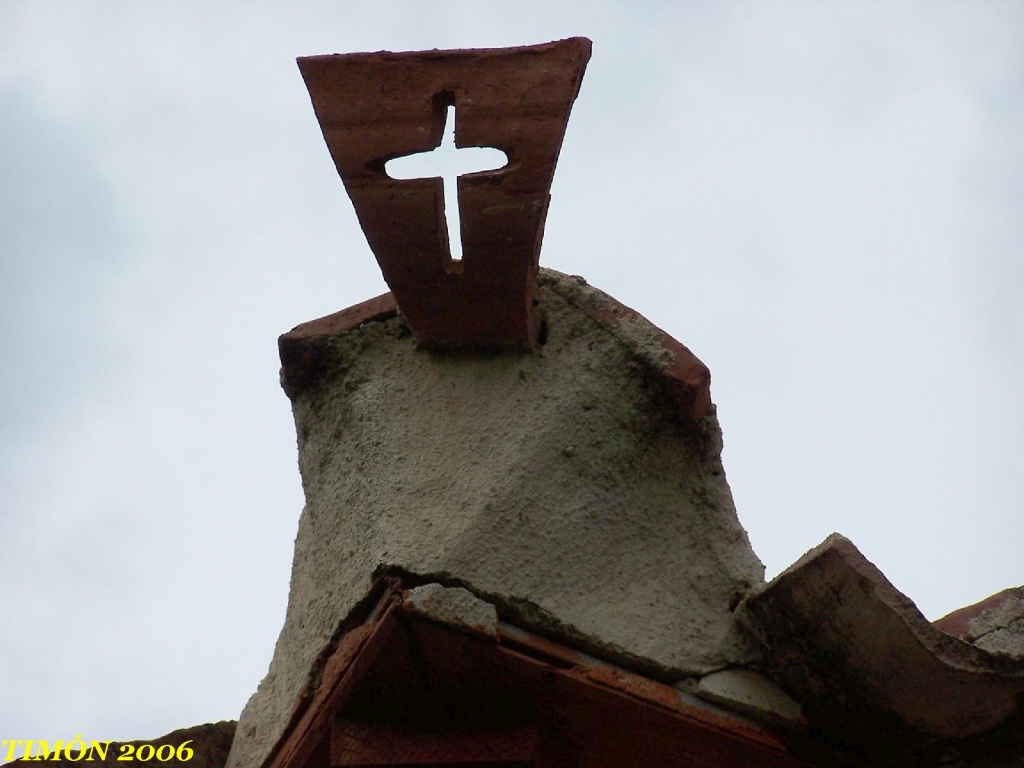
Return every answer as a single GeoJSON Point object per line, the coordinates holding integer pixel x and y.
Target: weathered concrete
{"type": "Point", "coordinates": [751, 694]}
{"type": "Point", "coordinates": [871, 673]}
{"type": "Point", "coordinates": [995, 624]}
{"type": "Point", "coordinates": [568, 487]}
{"type": "Point", "coordinates": [454, 606]}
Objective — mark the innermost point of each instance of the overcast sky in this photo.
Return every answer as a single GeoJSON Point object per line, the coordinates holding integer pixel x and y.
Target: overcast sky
{"type": "Point", "coordinates": [824, 201]}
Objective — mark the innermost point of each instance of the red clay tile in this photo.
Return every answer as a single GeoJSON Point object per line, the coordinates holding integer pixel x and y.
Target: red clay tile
{"type": "Point", "coordinates": [378, 744]}
{"type": "Point", "coordinates": [458, 699]}
{"type": "Point", "coordinates": [378, 308]}
{"type": "Point", "coordinates": [302, 360]}
{"type": "Point", "coordinates": [374, 107]}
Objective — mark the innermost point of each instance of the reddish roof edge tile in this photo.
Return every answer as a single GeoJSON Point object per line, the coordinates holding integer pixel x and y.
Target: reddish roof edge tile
{"type": "Point", "coordinates": [669, 698]}
{"type": "Point", "coordinates": [327, 675]}
{"type": "Point", "coordinates": [687, 379]}
{"type": "Point", "coordinates": [381, 307]}
{"type": "Point", "coordinates": [581, 666]}
{"type": "Point", "coordinates": [308, 707]}
{"type": "Point", "coordinates": [350, 657]}
{"type": "Point", "coordinates": [301, 361]}
{"type": "Point", "coordinates": [957, 623]}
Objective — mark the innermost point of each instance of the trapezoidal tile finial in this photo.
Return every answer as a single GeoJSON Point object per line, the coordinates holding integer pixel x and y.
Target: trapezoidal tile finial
{"type": "Point", "coordinates": [376, 107]}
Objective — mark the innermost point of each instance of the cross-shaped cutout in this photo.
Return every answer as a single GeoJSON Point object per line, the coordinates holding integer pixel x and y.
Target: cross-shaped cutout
{"type": "Point", "coordinates": [473, 289]}
{"type": "Point", "coordinates": [452, 162]}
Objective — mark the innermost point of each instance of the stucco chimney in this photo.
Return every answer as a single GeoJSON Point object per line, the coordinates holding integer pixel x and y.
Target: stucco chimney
{"type": "Point", "coordinates": [491, 425]}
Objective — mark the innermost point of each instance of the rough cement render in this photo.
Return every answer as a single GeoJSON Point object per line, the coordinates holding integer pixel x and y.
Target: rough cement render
{"type": "Point", "coordinates": [454, 606]}
{"type": "Point", "coordinates": [995, 624]}
{"type": "Point", "coordinates": [1001, 630]}
{"type": "Point", "coordinates": [561, 485]}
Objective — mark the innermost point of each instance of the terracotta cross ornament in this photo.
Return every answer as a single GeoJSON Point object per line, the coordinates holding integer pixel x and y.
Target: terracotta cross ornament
{"type": "Point", "coordinates": [375, 107]}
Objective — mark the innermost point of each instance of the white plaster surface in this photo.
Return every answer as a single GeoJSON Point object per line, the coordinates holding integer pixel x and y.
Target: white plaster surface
{"type": "Point", "coordinates": [751, 694]}
{"type": "Point", "coordinates": [559, 479]}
